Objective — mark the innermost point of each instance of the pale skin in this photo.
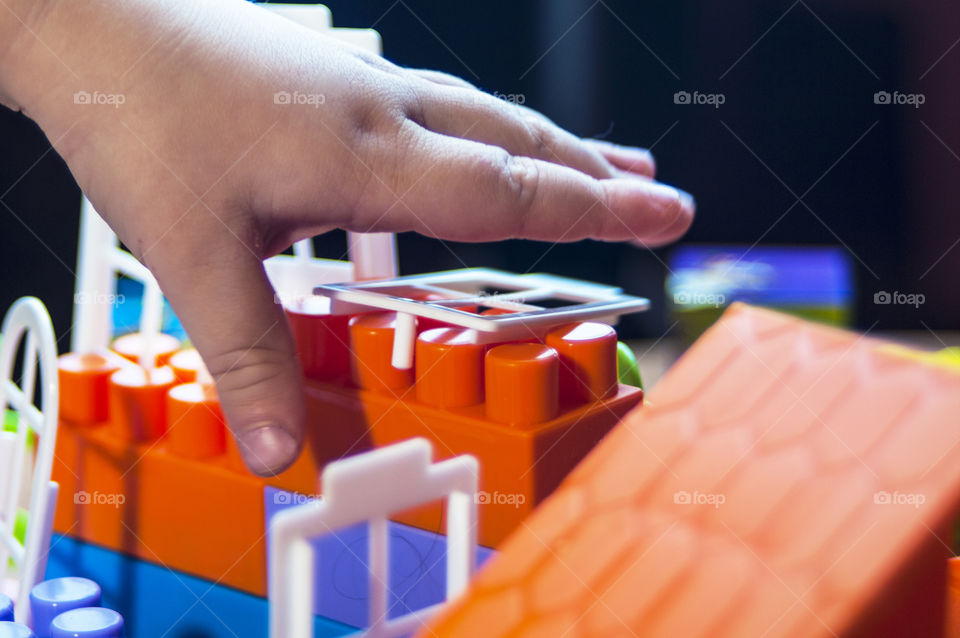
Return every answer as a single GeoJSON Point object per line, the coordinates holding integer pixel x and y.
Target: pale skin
{"type": "Point", "coordinates": [203, 175]}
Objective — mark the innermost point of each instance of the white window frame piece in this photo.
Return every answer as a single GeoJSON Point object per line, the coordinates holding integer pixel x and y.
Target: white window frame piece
{"type": "Point", "coordinates": [368, 488]}
{"type": "Point", "coordinates": [28, 322]}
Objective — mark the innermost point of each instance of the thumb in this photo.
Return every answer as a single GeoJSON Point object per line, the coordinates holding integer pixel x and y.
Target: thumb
{"type": "Point", "coordinates": [217, 285]}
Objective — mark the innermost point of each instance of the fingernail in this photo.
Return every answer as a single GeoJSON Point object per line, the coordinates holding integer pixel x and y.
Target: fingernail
{"type": "Point", "coordinates": [268, 449]}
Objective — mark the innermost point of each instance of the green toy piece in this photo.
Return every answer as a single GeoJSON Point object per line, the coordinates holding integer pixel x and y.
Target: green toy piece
{"type": "Point", "coordinates": [627, 370]}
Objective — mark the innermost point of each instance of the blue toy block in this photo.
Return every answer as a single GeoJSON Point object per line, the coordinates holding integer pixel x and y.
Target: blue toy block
{"type": "Point", "coordinates": [417, 576]}
{"type": "Point", "coordinates": [15, 630]}
{"type": "Point", "coordinates": [6, 609]}
{"type": "Point", "coordinates": [87, 622]}
{"type": "Point", "coordinates": [52, 597]}
{"type": "Point", "coordinates": [155, 600]}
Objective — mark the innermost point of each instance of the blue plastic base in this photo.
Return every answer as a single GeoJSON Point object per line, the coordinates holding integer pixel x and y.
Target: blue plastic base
{"type": "Point", "coordinates": [156, 601]}
{"type": "Point", "coordinates": [417, 577]}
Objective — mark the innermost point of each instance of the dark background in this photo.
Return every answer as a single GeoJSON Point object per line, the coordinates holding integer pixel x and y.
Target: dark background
{"type": "Point", "coordinates": [799, 153]}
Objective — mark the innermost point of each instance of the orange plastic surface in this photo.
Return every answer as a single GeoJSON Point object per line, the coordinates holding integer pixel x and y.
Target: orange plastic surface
{"type": "Point", "coordinates": [522, 383]}
{"type": "Point", "coordinates": [195, 426]}
{"type": "Point", "coordinates": [186, 365]}
{"type": "Point", "coordinates": [83, 387]}
{"type": "Point", "coordinates": [449, 368]}
{"type": "Point", "coordinates": [588, 359]}
{"type": "Point", "coordinates": [138, 402]}
{"type": "Point", "coordinates": [131, 346]}
{"type": "Point", "coordinates": [784, 479]}
{"type": "Point", "coordinates": [371, 342]}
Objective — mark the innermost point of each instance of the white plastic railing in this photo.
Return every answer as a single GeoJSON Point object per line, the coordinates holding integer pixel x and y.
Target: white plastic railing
{"type": "Point", "coordinates": [369, 487]}
{"type": "Point", "coordinates": [27, 322]}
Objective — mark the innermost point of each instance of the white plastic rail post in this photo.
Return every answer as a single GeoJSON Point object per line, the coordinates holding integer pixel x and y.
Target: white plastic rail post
{"type": "Point", "coordinates": [99, 261]}
{"type": "Point", "coordinates": [368, 487]}
{"type": "Point", "coordinates": [28, 322]}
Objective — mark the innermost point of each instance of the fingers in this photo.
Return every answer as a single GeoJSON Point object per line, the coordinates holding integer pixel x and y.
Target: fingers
{"type": "Point", "coordinates": [638, 161]}
{"type": "Point", "coordinates": [467, 191]}
{"type": "Point", "coordinates": [443, 79]}
{"type": "Point", "coordinates": [477, 116]}
{"type": "Point", "coordinates": [220, 291]}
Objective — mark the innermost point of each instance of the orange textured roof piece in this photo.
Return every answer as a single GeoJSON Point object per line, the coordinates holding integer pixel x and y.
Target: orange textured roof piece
{"type": "Point", "coordinates": [783, 479]}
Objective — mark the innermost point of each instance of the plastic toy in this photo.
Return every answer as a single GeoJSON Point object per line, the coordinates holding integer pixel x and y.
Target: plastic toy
{"type": "Point", "coordinates": [15, 630]}
{"type": "Point", "coordinates": [369, 488]}
{"type": "Point", "coordinates": [27, 321]}
{"type": "Point", "coordinates": [53, 597]}
{"type": "Point", "coordinates": [784, 479]}
{"type": "Point", "coordinates": [416, 574]}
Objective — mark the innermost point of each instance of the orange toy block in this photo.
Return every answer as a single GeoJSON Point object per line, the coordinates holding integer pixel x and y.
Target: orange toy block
{"type": "Point", "coordinates": [784, 479]}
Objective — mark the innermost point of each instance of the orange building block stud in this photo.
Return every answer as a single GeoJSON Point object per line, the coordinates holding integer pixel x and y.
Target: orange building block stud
{"type": "Point", "coordinates": [522, 381]}
{"type": "Point", "coordinates": [371, 345]}
{"type": "Point", "coordinates": [449, 368]}
{"type": "Point", "coordinates": [784, 479]}
{"type": "Point", "coordinates": [588, 360]}
{"type": "Point", "coordinates": [138, 402]}
{"type": "Point", "coordinates": [132, 345]}
{"type": "Point", "coordinates": [186, 365]}
{"type": "Point", "coordinates": [83, 387]}
{"type": "Point", "coordinates": [195, 426]}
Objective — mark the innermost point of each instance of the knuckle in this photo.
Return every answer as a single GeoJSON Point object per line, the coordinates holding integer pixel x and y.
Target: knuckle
{"type": "Point", "coordinates": [520, 181]}
{"type": "Point", "coordinates": [542, 139]}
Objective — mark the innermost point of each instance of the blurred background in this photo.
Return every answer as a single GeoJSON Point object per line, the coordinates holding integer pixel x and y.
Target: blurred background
{"type": "Point", "coordinates": [804, 123]}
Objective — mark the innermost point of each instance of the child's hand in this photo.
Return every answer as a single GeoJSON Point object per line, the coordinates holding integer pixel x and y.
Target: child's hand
{"type": "Point", "coordinates": [203, 175]}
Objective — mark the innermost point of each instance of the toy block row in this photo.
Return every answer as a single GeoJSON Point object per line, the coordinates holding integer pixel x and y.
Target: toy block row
{"type": "Point", "coordinates": [144, 405]}
{"type": "Point", "coordinates": [62, 608]}
{"type": "Point", "coordinates": [520, 383]}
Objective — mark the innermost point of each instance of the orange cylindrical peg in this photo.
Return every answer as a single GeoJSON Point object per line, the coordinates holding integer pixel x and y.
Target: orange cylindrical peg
{"type": "Point", "coordinates": [131, 346]}
{"type": "Point", "coordinates": [195, 426]}
{"type": "Point", "coordinates": [323, 343]}
{"type": "Point", "coordinates": [186, 365]}
{"type": "Point", "coordinates": [371, 343]}
{"type": "Point", "coordinates": [138, 402]}
{"type": "Point", "coordinates": [449, 368]}
{"type": "Point", "coordinates": [588, 360]}
{"type": "Point", "coordinates": [521, 383]}
{"type": "Point", "coordinates": [83, 387]}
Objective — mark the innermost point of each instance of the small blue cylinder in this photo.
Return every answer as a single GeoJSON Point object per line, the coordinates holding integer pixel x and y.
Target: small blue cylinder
{"type": "Point", "coordinates": [87, 622]}
{"type": "Point", "coordinates": [52, 597]}
{"type": "Point", "coordinates": [15, 630]}
{"type": "Point", "coordinates": [6, 609]}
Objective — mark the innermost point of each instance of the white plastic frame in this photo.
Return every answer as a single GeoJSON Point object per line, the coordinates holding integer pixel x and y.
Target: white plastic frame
{"type": "Point", "coordinates": [588, 301]}
{"type": "Point", "coordinates": [368, 487]}
{"type": "Point", "coordinates": [27, 321]}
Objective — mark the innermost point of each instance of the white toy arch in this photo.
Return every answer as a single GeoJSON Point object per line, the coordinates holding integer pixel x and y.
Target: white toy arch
{"type": "Point", "coordinates": [101, 260]}
{"type": "Point", "coordinates": [368, 487]}
{"type": "Point", "coordinates": [27, 322]}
